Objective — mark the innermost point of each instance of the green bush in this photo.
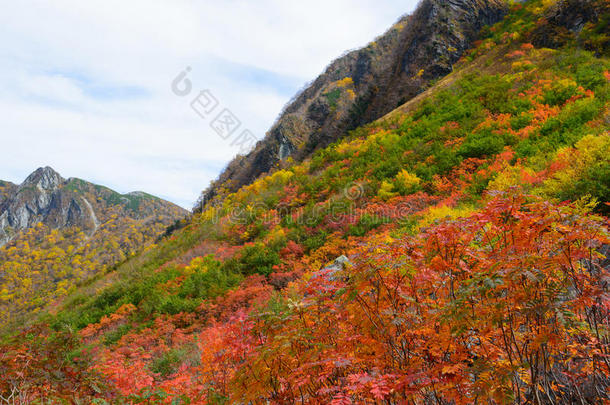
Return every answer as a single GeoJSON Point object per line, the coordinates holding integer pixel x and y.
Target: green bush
{"type": "Point", "coordinates": [333, 97]}
{"type": "Point", "coordinates": [596, 183]}
{"type": "Point", "coordinates": [480, 145]}
{"type": "Point", "coordinates": [259, 259]}
{"type": "Point", "coordinates": [315, 241]}
{"type": "Point", "coordinates": [365, 224]}
{"type": "Point", "coordinates": [169, 362]}
{"type": "Point", "coordinates": [521, 121]}
{"type": "Point", "coordinates": [173, 305]}
{"type": "Point", "coordinates": [115, 335]}
{"type": "Point", "coordinates": [560, 92]}
{"type": "Point", "coordinates": [209, 280]}
{"type": "Point", "coordinates": [253, 259]}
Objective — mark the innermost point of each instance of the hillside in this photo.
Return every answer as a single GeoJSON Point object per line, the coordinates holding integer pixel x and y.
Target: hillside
{"type": "Point", "coordinates": [453, 251]}
{"type": "Point", "coordinates": [55, 233]}
{"type": "Point", "coordinates": [364, 85]}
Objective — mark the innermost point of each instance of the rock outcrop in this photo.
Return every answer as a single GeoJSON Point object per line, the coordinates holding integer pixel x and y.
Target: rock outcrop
{"type": "Point", "coordinates": [366, 84]}
{"type": "Point", "coordinates": [566, 19]}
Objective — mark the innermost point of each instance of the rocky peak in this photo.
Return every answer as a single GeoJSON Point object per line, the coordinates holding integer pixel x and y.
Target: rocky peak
{"type": "Point", "coordinates": [44, 178]}
{"type": "Point", "coordinates": [46, 197]}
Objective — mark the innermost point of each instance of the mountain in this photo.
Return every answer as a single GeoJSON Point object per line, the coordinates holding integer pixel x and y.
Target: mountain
{"type": "Point", "coordinates": [453, 251]}
{"type": "Point", "coordinates": [56, 232]}
{"type": "Point", "coordinates": [45, 197]}
{"type": "Point", "coordinates": [366, 84]}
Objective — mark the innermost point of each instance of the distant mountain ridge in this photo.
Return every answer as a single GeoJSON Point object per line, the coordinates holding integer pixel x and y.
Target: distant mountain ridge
{"type": "Point", "coordinates": [46, 197]}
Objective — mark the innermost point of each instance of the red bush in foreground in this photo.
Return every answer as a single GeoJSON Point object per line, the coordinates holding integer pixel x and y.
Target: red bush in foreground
{"type": "Point", "coordinates": [510, 304]}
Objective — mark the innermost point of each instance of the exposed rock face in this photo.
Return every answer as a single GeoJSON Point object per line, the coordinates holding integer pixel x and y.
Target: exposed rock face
{"type": "Point", "coordinates": [566, 19]}
{"type": "Point", "coordinates": [366, 84]}
{"type": "Point", "coordinates": [44, 178]}
{"type": "Point", "coordinates": [46, 197]}
{"type": "Point", "coordinates": [332, 272]}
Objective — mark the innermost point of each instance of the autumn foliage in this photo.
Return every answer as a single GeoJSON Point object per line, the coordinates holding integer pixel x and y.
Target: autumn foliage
{"type": "Point", "coordinates": [507, 305]}
{"type": "Point", "coordinates": [473, 240]}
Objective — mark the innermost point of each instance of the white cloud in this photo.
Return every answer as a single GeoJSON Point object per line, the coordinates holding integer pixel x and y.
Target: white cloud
{"type": "Point", "coordinates": [85, 85]}
{"type": "Point", "coordinates": [60, 88]}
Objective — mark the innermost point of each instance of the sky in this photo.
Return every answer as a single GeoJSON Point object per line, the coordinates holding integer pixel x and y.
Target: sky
{"type": "Point", "coordinates": [86, 86]}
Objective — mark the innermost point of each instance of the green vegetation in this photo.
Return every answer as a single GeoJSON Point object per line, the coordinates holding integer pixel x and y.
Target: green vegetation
{"type": "Point", "coordinates": [333, 97]}
{"type": "Point", "coordinates": [463, 254]}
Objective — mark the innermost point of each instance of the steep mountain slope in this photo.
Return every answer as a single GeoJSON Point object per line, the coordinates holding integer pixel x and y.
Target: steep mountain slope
{"type": "Point", "coordinates": [366, 84]}
{"type": "Point", "coordinates": [56, 232]}
{"type": "Point", "coordinates": [451, 252]}
{"type": "Point", "coordinates": [6, 188]}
